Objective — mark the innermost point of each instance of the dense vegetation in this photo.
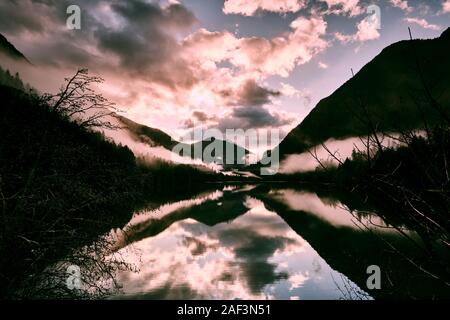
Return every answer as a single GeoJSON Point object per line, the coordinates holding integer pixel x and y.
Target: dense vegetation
{"type": "Point", "coordinates": [62, 185]}
{"type": "Point", "coordinates": [408, 187]}
{"type": "Point", "coordinates": [14, 81]}
{"type": "Point", "coordinates": [414, 175]}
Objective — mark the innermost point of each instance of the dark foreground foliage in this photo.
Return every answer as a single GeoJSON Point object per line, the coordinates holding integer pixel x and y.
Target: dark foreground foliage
{"type": "Point", "coordinates": [413, 182]}
{"type": "Point", "coordinates": [61, 186]}
{"type": "Point", "coordinates": [414, 178]}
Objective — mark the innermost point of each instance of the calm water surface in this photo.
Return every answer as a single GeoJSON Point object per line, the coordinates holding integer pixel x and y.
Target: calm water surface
{"type": "Point", "coordinates": [249, 242]}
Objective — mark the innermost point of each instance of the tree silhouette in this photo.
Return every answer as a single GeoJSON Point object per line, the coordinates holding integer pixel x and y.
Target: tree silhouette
{"type": "Point", "coordinates": [78, 101]}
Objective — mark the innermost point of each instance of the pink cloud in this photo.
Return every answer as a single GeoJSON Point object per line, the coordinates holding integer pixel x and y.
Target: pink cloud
{"type": "Point", "coordinates": [289, 91]}
{"type": "Point", "coordinates": [250, 7]}
{"type": "Point", "coordinates": [253, 58]}
{"type": "Point", "coordinates": [322, 65]}
{"type": "Point", "coordinates": [350, 7]}
{"type": "Point", "coordinates": [179, 70]}
{"type": "Point", "coordinates": [261, 56]}
{"type": "Point", "coordinates": [401, 4]}
{"type": "Point", "coordinates": [446, 6]}
{"type": "Point", "coordinates": [280, 55]}
{"type": "Point", "coordinates": [366, 31]}
{"type": "Point", "coordinates": [423, 23]}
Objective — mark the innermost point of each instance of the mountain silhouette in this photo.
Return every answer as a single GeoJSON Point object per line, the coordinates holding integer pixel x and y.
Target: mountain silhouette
{"type": "Point", "coordinates": [10, 50]}
{"type": "Point", "coordinates": [151, 136]}
{"type": "Point", "coordinates": [387, 91]}
{"type": "Point", "coordinates": [157, 138]}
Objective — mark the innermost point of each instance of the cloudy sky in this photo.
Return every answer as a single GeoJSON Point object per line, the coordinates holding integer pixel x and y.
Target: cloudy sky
{"type": "Point", "coordinates": [224, 64]}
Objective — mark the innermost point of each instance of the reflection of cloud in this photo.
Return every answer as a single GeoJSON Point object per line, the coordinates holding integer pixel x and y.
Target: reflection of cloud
{"type": "Point", "coordinates": [253, 257]}
{"type": "Point", "coordinates": [239, 268]}
{"type": "Point", "coordinates": [297, 280]}
{"type": "Point", "coordinates": [316, 266]}
{"type": "Point", "coordinates": [196, 246]}
{"type": "Point", "coordinates": [141, 220]}
{"type": "Point", "coordinates": [252, 252]}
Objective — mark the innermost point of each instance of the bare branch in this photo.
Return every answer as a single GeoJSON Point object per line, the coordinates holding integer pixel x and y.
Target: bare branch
{"type": "Point", "coordinates": [78, 101]}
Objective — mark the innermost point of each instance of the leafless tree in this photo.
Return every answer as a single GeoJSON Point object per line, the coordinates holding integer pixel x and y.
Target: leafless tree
{"type": "Point", "coordinates": [78, 101]}
{"type": "Point", "coordinates": [99, 264]}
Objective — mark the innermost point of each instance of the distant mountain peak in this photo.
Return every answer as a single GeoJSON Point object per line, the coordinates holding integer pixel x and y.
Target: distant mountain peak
{"type": "Point", "coordinates": [157, 138]}
{"type": "Point", "coordinates": [10, 50]}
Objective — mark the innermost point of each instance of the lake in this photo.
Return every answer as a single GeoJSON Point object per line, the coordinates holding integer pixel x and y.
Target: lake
{"type": "Point", "coordinates": [266, 242]}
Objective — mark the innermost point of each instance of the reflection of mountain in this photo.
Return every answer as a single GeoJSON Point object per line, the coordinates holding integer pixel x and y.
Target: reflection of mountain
{"type": "Point", "coordinates": [9, 50]}
{"type": "Point", "coordinates": [231, 206]}
{"type": "Point", "coordinates": [351, 250]}
{"type": "Point", "coordinates": [157, 138]}
{"type": "Point", "coordinates": [331, 231]}
{"type": "Point", "coordinates": [387, 89]}
{"type": "Point", "coordinates": [225, 245]}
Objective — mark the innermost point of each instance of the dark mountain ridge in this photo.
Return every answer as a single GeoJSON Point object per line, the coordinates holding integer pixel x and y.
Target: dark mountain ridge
{"type": "Point", "coordinates": [387, 92]}
{"type": "Point", "coordinates": [157, 138]}
{"type": "Point", "coordinates": [11, 51]}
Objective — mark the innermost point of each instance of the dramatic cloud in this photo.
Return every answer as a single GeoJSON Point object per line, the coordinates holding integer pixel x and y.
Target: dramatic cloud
{"type": "Point", "coordinates": [147, 44]}
{"type": "Point", "coordinates": [401, 4]}
{"type": "Point", "coordinates": [350, 7]}
{"type": "Point", "coordinates": [423, 23]}
{"type": "Point", "coordinates": [280, 55]}
{"type": "Point", "coordinates": [250, 7]}
{"type": "Point", "coordinates": [199, 117]}
{"type": "Point", "coordinates": [15, 16]}
{"type": "Point", "coordinates": [367, 30]}
{"type": "Point", "coordinates": [446, 6]}
{"type": "Point", "coordinates": [163, 66]}
{"type": "Point", "coordinates": [276, 56]}
{"type": "Point", "coordinates": [254, 95]}
{"type": "Point", "coordinates": [254, 117]}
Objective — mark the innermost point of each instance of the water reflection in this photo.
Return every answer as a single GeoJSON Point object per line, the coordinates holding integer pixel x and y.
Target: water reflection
{"type": "Point", "coordinates": [259, 242]}
{"type": "Point", "coordinates": [331, 211]}
{"type": "Point", "coordinates": [224, 245]}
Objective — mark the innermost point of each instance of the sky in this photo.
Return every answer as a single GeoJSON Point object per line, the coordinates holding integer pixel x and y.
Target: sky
{"type": "Point", "coordinates": [176, 65]}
